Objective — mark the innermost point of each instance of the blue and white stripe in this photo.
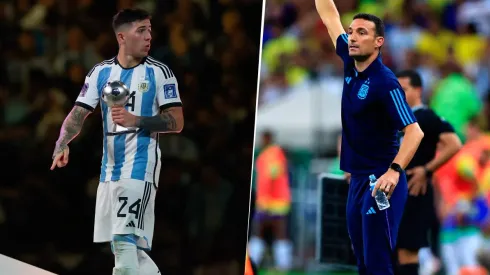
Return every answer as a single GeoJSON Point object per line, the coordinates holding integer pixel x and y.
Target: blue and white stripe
{"type": "Point", "coordinates": [102, 79]}
{"type": "Point", "coordinates": [132, 155]}
{"type": "Point", "coordinates": [401, 107]}
{"type": "Point", "coordinates": [126, 77]}
{"type": "Point", "coordinates": [144, 138]}
{"type": "Point", "coordinates": [345, 37]}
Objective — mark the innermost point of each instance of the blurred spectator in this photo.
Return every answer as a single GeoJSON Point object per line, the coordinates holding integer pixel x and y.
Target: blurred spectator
{"type": "Point", "coordinates": [455, 98]}
{"type": "Point", "coordinates": [402, 38]}
{"type": "Point", "coordinates": [468, 48]}
{"type": "Point", "coordinates": [435, 41]}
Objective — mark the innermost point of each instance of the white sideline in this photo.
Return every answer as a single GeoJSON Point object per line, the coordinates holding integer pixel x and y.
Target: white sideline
{"type": "Point", "coordinates": [10, 266]}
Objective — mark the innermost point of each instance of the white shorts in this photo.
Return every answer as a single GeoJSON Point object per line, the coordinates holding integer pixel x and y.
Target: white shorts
{"type": "Point", "coordinates": [125, 207]}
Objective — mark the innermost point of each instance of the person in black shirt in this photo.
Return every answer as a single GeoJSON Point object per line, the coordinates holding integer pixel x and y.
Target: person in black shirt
{"type": "Point", "coordinates": [419, 209]}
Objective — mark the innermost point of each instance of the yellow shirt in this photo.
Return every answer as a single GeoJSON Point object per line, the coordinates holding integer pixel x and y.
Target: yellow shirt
{"type": "Point", "coordinates": [438, 5]}
{"type": "Point", "coordinates": [284, 45]}
{"type": "Point", "coordinates": [435, 45]}
{"type": "Point", "coordinates": [275, 48]}
{"type": "Point", "coordinates": [468, 48]}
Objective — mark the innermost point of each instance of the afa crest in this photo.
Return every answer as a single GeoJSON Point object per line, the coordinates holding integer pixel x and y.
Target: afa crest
{"type": "Point", "coordinates": [363, 91]}
{"type": "Point", "coordinates": [143, 86]}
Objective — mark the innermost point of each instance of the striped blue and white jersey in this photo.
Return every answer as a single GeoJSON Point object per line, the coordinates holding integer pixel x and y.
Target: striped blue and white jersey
{"type": "Point", "coordinates": [132, 155]}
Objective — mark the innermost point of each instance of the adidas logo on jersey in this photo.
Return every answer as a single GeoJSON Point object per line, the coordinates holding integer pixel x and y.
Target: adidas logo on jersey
{"type": "Point", "coordinates": [130, 224]}
{"type": "Point", "coordinates": [371, 211]}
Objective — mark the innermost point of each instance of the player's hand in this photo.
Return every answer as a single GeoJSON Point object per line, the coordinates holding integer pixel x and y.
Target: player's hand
{"type": "Point", "coordinates": [387, 182]}
{"type": "Point", "coordinates": [417, 185]}
{"type": "Point", "coordinates": [122, 117]}
{"type": "Point", "coordinates": [60, 158]}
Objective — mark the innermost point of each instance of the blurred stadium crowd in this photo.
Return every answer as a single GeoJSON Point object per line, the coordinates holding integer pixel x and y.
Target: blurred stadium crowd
{"type": "Point", "coordinates": [47, 47]}
{"type": "Point", "coordinates": [448, 43]}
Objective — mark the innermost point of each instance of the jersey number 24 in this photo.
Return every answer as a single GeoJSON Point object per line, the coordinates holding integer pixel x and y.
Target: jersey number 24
{"type": "Point", "coordinates": [133, 208]}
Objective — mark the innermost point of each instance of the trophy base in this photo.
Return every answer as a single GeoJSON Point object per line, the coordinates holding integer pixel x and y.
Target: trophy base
{"type": "Point", "coordinates": [121, 132]}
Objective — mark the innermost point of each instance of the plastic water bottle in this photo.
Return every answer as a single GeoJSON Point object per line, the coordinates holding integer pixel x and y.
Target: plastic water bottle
{"type": "Point", "coordinates": [380, 197]}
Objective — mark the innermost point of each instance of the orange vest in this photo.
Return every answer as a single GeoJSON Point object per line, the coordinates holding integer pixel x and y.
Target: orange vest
{"type": "Point", "coordinates": [248, 265]}
{"type": "Point", "coordinates": [484, 182]}
{"type": "Point", "coordinates": [273, 191]}
{"type": "Point", "coordinates": [451, 183]}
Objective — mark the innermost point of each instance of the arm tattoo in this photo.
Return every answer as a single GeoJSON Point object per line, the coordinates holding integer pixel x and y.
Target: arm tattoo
{"type": "Point", "coordinates": [71, 128]}
{"type": "Point", "coordinates": [163, 122]}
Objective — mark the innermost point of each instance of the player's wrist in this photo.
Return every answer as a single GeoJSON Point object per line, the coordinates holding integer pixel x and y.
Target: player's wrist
{"type": "Point", "coordinates": [59, 148]}
{"type": "Point", "coordinates": [396, 168]}
{"type": "Point", "coordinates": [428, 172]}
{"type": "Point", "coordinates": [138, 122]}
{"type": "Point", "coordinates": [393, 172]}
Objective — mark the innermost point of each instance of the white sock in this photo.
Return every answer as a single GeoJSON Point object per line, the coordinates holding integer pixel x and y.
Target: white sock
{"type": "Point", "coordinates": [425, 255]}
{"type": "Point", "coordinates": [256, 248]}
{"type": "Point", "coordinates": [428, 263]}
{"type": "Point", "coordinates": [450, 258]}
{"type": "Point", "coordinates": [283, 254]}
{"type": "Point", "coordinates": [147, 265]}
{"type": "Point", "coordinates": [126, 260]}
{"type": "Point", "coordinates": [468, 247]}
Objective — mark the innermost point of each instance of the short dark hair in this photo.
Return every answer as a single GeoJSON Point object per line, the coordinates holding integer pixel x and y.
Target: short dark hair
{"type": "Point", "coordinates": [378, 23]}
{"type": "Point", "coordinates": [268, 134]}
{"type": "Point", "coordinates": [413, 76]}
{"type": "Point", "coordinates": [478, 121]}
{"type": "Point", "coordinates": [126, 16]}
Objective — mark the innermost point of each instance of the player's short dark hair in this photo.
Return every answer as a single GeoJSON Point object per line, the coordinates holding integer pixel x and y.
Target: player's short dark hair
{"type": "Point", "coordinates": [378, 23]}
{"type": "Point", "coordinates": [413, 76]}
{"type": "Point", "coordinates": [268, 134]}
{"type": "Point", "coordinates": [126, 16]}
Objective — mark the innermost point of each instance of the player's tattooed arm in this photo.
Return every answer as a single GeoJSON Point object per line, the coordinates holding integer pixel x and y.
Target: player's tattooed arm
{"type": "Point", "coordinates": [169, 120]}
{"type": "Point", "coordinates": [71, 128]}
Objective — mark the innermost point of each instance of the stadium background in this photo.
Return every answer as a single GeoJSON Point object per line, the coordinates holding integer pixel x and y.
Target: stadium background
{"type": "Point", "coordinates": [301, 83]}
{"type": "Point", "coordinates": [46, 48]}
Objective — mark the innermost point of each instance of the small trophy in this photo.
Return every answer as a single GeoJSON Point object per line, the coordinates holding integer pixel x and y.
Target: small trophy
{"type": "Point", "coordinates": [116, 93]}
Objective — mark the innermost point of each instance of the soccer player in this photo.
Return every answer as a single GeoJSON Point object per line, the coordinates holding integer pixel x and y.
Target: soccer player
{"type": "Point", "coordinates": [460, 183]}
{"type": "Point", "coordinates": [273, 204]}
{"type": "Point", "coordinates": [130, 169]}
{"type": "Point", "coordinates": [374, 110]}
{"type": "Point", "coordinates": [420, 208]}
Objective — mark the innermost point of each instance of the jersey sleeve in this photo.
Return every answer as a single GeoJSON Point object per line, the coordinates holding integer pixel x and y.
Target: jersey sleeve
{"type": "Point", "coordinates": [442, 125]}
{"type": "Point", "coordinates": [396, 105]}
{"type": "Point", "coordinates": [342, 47]}
{"type": "Point", "coordinates": [168, 94]}
{"type": "Point", "coordinates": [89, 94]}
